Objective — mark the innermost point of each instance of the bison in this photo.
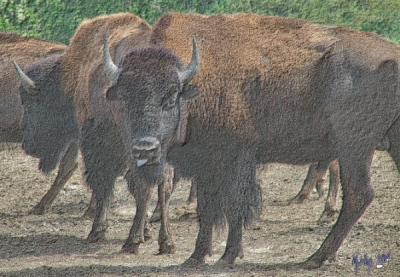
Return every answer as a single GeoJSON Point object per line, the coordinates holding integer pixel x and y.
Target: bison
{"type": "Point", "coordinates": [26, 51]}
{"type": "Point", "coordinates": [271, 89]}
{"type": "Point", "coordinates": [73, 84]}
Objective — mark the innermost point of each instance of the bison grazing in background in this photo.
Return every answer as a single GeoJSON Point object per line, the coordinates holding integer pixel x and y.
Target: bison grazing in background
{"type": "Point", "coordinates": [270, 90]}
{"type": "Point", "coordinates": [26, 51]}
{"type": "Point", "coordinates": [70, 90]}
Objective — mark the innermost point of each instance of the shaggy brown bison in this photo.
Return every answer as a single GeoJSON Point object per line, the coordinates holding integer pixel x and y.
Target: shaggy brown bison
{"type": "Point", "coordinates": [26, 51]}
{"type": "Point", "coordinates": [74, 85]}
{"type": "Point", "coordinates": [270, 90]}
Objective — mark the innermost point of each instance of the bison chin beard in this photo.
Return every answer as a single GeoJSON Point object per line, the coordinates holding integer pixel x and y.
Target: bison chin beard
{"type": "Point", "coordinates": [149, 174]}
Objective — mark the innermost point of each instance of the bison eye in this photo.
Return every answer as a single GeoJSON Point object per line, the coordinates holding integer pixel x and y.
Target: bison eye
{"type": "Point", "coordinates": [169, 100]}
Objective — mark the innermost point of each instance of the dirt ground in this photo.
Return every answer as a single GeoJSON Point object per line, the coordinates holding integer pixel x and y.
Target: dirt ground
{"type": "Point", "coordinates": [54, 244]}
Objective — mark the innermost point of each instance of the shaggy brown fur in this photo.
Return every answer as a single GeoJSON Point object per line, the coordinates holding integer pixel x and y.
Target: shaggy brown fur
{"type": "Point", "coordinates": [24, 51]}
{"type": "Point", "coordinates": [270, 46]}
{"type": "Point", "coordinates": [85, 52]}
{"type": "Point", "coordinates": [264, 46]}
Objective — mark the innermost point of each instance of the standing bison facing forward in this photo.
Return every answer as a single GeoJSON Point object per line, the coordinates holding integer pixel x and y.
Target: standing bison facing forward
{"type": "Point", "coordinates": [65, 98]}
{"type": "Point", "coordinates": [270, 90]}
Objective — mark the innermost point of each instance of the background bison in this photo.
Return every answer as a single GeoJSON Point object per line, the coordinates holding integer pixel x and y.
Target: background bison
{"type": "Point", "coordinates": [26, 51]}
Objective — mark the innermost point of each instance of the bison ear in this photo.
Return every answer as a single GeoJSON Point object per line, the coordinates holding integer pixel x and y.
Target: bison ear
{"type": "Point", "coordinates": [189, 92]}
{"type": "Point", "coordinates": [112, 94]}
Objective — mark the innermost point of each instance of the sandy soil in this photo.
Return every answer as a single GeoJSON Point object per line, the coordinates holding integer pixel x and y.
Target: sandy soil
{"type": "Point", "coordinates": [54, 244]}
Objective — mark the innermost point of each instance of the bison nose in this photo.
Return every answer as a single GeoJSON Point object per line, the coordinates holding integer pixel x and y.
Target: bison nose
{"type": "Point", "coordinates": [147, 151]}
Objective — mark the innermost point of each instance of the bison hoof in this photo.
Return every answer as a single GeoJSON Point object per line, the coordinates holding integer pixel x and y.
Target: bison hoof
{"type": "Point", "coordinates": [166, 247]}
{"type": "Point", "coordinates": [39, 210]}
{"type": "Point", "coordinates": [298, 199]}
{"type": "Point", "coordinates": [223, 264]}
{"type": "Point", "coordinates": [314, 262]}
{"type": "Point", "coordinates": [192, 263]}
{"type": "Point", "coordinates": [327, 217]}
{"type": "Point", "coordinates": [308, 265]}
{"type": "Point", "coordinates": [96, 236]}
{"type": "Point", "coordinates": [131, 248]}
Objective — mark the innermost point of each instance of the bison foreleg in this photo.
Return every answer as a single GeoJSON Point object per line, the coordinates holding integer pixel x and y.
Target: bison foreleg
{"type": "Point", "coordinates": [156, 215]}
{"type": "Point", "coordinates": [204, 237]}
{"type": "Point", "coordinates": [141, 191]}
{"type": "Point", "coordinates": [165, 189]}
{"type": "Point", "coordinates": [66, 168]}
{"type": "Point", "coordinates": [100, 225]}
{"type": "Point", "coordinates": [240, 202]}
{"type": "Point", "coordinates": [91, 210]}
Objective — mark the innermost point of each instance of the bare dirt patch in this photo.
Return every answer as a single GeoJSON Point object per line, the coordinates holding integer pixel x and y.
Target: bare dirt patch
{"type": "Point", "coordinates": [54, 244]}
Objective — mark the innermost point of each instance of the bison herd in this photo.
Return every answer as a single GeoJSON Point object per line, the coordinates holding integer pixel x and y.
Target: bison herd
{"type": "Point", "coordinates": [206, 98]}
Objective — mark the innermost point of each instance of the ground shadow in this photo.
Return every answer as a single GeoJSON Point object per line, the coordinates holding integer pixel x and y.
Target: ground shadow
{"type": "Point", "coordinates": [43, 244]}
{"type": "Point", "coordinates": [175, 270]}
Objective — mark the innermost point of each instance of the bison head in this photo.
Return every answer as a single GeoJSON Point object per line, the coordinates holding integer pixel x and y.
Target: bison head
{"type": "Point", "coordinates": [148, 89]}
{"type": "Point", "coordinates": [48, 121]}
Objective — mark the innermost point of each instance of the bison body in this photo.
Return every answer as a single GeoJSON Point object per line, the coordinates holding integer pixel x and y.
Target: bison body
{"type": "Point", "coordinates": [75, 84]}
{"type": "Point", "coordinates": [26, 51]}
{"type": "Point", "coordinates": [270, 90]}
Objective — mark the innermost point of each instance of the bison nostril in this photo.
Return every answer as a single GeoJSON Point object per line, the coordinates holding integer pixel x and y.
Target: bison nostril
{"type": "Point", "coordinates": [146, 144]}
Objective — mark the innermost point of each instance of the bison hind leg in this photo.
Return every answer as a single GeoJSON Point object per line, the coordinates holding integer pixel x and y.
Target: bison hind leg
{"type": "Point", "coordinates": [357, 195]}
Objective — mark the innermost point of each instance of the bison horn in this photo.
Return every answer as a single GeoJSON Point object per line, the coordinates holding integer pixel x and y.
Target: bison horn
{"type": "Point", "coordinates": [191, 70]}
{"type": "Point", "coordinates": [111, 70]}
{"type": "Point", "coordinates": [26, 82]}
